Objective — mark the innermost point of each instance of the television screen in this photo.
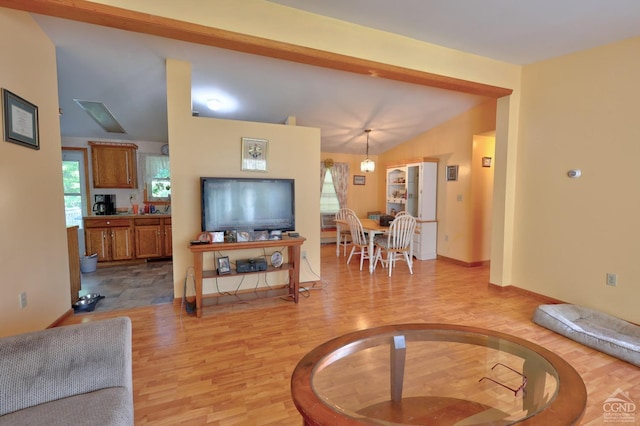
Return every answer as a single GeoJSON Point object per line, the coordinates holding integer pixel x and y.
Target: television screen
{"type": "Point", "coordinates": [247, 204]}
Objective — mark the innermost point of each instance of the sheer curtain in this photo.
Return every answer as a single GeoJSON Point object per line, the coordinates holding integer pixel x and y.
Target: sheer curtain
{"type": "Point", "coordinates": [153, 166]}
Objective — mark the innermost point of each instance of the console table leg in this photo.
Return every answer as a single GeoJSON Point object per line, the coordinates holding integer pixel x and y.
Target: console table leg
{"type": "Point", "coordinates": [294, 273]}
{"type": "Point", "coordinates": [398, 356]}
{"type": "Point", "coordinates": [197, 267]}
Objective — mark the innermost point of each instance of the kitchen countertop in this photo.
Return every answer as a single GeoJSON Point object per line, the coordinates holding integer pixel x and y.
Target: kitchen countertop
{"type": "Point", "coordinates": [127, 215]}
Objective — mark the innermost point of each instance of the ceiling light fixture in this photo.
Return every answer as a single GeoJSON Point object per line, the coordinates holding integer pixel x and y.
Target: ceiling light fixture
{"type": "Point", "coordinates": [367, 165]}
{"type": "Point", "coordinates": [101, 114]}
{"type": "Point", "coordinates": [214, 104]}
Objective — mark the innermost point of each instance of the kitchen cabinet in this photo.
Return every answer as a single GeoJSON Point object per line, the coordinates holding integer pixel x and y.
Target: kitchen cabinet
{"type": "Point", "coordinates": [168, 238]}
{"type": "Point", "coordinates": [111, 238]}
{"type": "Point", "coordinates": [412, 188]}
{"type": "Point", "coordinates": [152, 237]}
{"type": "Point", "coordinates": [114, 165]}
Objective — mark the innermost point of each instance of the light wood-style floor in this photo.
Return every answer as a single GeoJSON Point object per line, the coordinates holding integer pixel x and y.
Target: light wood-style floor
{"type": "Point", "coordinates": [233, 366]}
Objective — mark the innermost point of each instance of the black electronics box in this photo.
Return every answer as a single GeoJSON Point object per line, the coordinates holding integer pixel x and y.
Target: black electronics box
{"type": "Point", "coordinates": [251, 265]}
{"type": "Point", "coordinates": [386, 220]}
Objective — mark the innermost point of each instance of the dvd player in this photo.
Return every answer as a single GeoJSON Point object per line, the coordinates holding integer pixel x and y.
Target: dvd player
{"type": "Point", "coordinates": [251, 265]}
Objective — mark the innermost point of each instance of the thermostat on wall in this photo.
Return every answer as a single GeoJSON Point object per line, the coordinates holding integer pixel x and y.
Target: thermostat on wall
{"type": "Point", "coordinates": [574, 173]}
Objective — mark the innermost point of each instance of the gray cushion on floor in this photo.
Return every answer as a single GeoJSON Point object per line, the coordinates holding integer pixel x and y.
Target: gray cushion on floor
{"type": "Point", "coordinates": [592, 328]}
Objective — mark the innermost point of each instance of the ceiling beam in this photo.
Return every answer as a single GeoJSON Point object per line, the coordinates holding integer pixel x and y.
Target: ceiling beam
{"type": "Point", "coordinates": [124, 19]}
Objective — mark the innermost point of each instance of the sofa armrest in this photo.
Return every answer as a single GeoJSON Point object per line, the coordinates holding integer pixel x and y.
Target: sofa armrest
{"type": "Point", "coordinates": [60, 362]}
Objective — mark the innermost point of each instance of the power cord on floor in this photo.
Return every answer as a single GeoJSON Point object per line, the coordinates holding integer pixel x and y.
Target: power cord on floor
{"type": "Point", "coordinates": [323, 284]}
{"type": "Point", "coordinates": [185, 305]}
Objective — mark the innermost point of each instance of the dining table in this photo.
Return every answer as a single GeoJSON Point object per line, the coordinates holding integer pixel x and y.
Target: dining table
{"type": "Point", "coordinates": [372, 228]}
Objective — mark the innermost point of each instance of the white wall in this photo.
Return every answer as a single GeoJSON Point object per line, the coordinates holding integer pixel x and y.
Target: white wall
{"type": "Point", "coordinates": [33, 242]}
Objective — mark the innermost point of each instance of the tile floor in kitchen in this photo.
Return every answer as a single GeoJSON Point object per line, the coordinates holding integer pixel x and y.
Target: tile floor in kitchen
{"type": "Point", "coordinates": [130, 286]}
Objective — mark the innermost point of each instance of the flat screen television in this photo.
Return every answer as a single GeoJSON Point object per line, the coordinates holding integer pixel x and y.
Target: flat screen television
{"type": "Point", "coordinates": [247, 204]}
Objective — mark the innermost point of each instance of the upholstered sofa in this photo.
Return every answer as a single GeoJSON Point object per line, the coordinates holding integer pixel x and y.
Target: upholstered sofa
{"type": "Point", "coordinates": [592, 328]}
{"type": "Point", "coordinates": [73, 375]}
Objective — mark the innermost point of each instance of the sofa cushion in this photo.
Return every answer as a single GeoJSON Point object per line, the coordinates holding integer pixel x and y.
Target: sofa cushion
{"type": "Point", "coordinates": [110, 406]}
{"type": "Point", "coordinates": [592, 328]}
{"type": "Point", "coordinates": [61, 362]}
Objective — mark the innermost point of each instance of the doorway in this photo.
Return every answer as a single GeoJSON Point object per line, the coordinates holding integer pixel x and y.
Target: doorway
{"type": "Point", "coordinates": [76, 191]}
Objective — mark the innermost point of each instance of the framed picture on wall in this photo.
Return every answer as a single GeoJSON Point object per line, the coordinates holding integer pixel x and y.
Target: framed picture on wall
{"type": "Point", "coordinates": [20, 120]}
{"type": "Point", "coordinates": [254, 154]}
{"type": "Point", "coordinates": [359, 179]}
{"type": "Point", "coordinates": [452, 172]}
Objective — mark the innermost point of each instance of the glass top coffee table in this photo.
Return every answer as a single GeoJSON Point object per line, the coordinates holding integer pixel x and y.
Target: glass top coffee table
{"type": "Point", "coordinates": [431, 374]}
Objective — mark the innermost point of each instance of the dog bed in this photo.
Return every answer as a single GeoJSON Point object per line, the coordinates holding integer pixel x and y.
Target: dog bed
{"type": "Point", "coordinates": [592, 328]}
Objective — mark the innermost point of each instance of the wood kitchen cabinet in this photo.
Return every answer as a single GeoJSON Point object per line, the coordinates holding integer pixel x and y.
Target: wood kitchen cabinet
{"type": "Point", "coordinates": [111, 238]}
{"type": "Point", "coordinates": [168, 238]}
{"type": "Point", "coordinates": [114, 165]}
{"type": "Point", "coordinates": [153, 237]}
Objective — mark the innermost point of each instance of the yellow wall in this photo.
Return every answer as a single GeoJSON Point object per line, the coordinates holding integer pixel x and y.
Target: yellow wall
{"type": "Point", "coordinates": [211, 147]}
{"type": "Point", "coordinates": [481, 197]}
{"type": "Point", "coordinates": [33, 242]}
{"type": "Point", "coordinates": [452, 143]}
{"type": "Point", "coordinates": [581, 111]}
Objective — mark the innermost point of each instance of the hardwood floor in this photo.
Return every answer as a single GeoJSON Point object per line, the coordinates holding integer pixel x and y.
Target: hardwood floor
{"type": "Point", "coordinates": [233, 366]}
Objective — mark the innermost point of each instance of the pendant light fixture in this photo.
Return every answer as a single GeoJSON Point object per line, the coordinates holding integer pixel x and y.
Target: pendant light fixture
{"type": "Point", "coordinates": [367, 165]}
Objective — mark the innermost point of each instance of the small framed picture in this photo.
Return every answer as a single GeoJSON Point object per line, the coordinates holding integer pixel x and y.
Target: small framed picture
{"type": "Point", "coordinates": [217, 237]}
{"type": "Point", "coordinates": [359, 179]}
{"type": "Point", "coordinates": [486, 161]}
{"type": "Point", "coordinates": [452, 172]}
{"type": "Point", "coordinates": [224, 267]}
{"type": "Point", "coordinates": [254, 154]}
{"type": "Point", "coordinates": [20, 120]}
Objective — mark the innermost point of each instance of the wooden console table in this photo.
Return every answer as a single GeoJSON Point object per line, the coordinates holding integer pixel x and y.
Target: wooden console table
{"type": "Point", "coordinates": [292, 265]}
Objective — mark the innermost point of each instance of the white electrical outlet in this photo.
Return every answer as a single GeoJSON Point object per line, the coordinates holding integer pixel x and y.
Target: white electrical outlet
{"type": "Point", "coordinates": [23, 300]}
{"type": "Point", "coordinates": [612, 279]}
{"type": "Point", "coordinates": [303, 254]}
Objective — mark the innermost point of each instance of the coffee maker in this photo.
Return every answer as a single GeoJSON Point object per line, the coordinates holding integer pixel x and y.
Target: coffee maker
{"type": "Point", "coordinates": [104, 204]}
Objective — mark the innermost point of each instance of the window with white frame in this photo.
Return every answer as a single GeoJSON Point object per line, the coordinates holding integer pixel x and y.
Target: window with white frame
{"type": "Point", "coordinates": [156, 177]}
{"type": "Point", "coordinates": [328, 198]}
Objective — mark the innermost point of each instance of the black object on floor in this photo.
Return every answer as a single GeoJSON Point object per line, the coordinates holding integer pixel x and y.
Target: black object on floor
{"type": "Point", "coordinates": [87, 303]}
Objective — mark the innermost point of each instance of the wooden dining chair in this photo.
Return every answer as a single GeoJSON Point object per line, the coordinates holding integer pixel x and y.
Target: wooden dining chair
{"type": "Point", "coordinates": [396, 243]}
{"type": "Point", "coordinates": [344, 233]}
{"type": "Point", "coordinates": [360, 244]}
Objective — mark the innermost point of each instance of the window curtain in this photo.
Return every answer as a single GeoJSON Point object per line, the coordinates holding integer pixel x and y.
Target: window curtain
{"type": "Point", "coordinates": [323, 173]}
{"type": "Point", "coordinates": [150, 166]}
{"type": "Point", "coordinates": [340, 176]}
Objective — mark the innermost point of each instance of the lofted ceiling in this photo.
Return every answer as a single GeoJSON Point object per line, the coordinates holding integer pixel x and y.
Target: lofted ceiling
{"type": "Point", "coordinates": [126, 70]}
